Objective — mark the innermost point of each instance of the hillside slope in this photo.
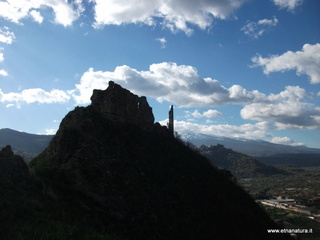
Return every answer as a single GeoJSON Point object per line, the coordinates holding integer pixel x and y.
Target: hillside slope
{"type": "Point", "coordinates": [297, 160]}
{"type": "Point", "coordinates": [25, 144]}
{"type": "Point", "coordinates": [238, 164]}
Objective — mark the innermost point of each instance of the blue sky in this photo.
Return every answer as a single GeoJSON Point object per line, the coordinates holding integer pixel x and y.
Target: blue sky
{"type": "Point", "coordinates": [236, 68]}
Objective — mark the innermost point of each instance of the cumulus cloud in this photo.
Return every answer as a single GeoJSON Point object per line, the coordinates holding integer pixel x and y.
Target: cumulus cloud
{"type": "Point", "coordinates": [174, 15]}
{"type": "Point", "coordinates": [36, 16]}
{"type": "Point", "coordinates": [212, 113]}
{"type": "Point", "coordinates": [6, 36]}
{"type": "Point", "coordinates": [65, 13]}
{"type": "Point", "coordinates": [51, 131]}
{"type": "Point", "coordinates": [288, 109]}
{"type": "Point", "coordinates": [306, 61]}
{"type": "Point", "coordinates": [207, 114]}
{"type": "Point", "coordinates": [184, 87]}
{"type": "Point", "coordinates": [163, 42]}
{"type": "Point", "coordinates": [34, 95]}
{"type": "Point", "coordinates": [3, 73]}
{"type": "Point", "coordinates": [248, 131]}
{"type": "Point", "coordinates": [179, 84]}
{"type": "Point", "coordinates": [288, 4]}
{"type": "Point", "coordinates": [282, 140]}
{"type": "Point", "coordinates": [257, 29]}
{"type": "Point", "coordinates": [285, 141]}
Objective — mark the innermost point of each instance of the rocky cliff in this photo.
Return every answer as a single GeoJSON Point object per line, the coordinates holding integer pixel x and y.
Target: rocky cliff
{"type": "Point", "coordinates": [18, 193]}
{"type": "Point", "coordinates": [12, 167]}
{"type": "Point", "coordinates": [107, 176]}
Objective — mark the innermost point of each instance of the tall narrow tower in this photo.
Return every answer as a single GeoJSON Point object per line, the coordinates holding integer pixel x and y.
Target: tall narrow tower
{"type": "Point", "coordinates": [170, 124]}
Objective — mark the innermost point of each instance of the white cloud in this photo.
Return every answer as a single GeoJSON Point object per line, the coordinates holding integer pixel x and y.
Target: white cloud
{"type": "Point", "coordinates": [238, 94]}
{"type": "Point", "coordinates": [289, 4]}
{"type": "Point", "coordinates": [248, 131]}
{"type": "Point", "coordinates": [212, 113]}
{"type": "Point", "coordinates": [288, 109]}
{"type": "Point", "coordinates": [36, 16]}
{"type": "Point", "coordinates": [34, 95]}
{"type": "Point", "coordinates": [207, 114]}
{"type": "Point", "coordinates": [306, 62]}
{"type": "Point", "coordinates": [286, 141]}
{"type": "Point", "coordinates": [195, 114]}
{"type": "Point", "coordinates": [163, 42]}
{"type": "Point", "coordinates": [268, 22]}
{"type": "Point", "coordinates": [16, 10]}
{"type": "Point", "coordinates": [3, 73]}
{"type": "Point", "coordinates": [179, 84]}
{"type": "Point", "coordinates": [51, 131]}
{"type": "Point", "coordinates": [182, 86]}
{"type": "Point", "coordinates": [6, 36]}
{"type": "Point", "coordinates": [174, 15]}
{"type": "Point", "coordinates": [244, 131]}
{"type": "Point", "coordinates": [282, 140]}
{"type": "Point", "coordinates": [257, 29]}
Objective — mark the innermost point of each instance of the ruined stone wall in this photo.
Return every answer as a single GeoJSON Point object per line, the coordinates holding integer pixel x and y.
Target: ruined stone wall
{"type": "Point", "coordinates": [119, 104]}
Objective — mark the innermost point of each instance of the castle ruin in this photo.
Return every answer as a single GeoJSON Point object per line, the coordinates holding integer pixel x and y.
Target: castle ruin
{"type": "Point", "coordinates": [119, 104]}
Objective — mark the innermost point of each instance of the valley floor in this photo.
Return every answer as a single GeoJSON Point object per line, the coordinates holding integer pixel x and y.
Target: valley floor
{"type": "Point", "coordinates": [292, 200]}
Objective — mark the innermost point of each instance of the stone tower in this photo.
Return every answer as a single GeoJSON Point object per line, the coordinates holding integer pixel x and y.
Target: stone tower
{"type": "Point", "coordinates": [170, 124]}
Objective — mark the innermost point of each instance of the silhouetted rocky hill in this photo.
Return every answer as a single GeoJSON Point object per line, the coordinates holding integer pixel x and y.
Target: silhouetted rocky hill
{"type": "Point", "coordinates": [20, 195]}
{"type": "Point", "coordinates": [105, 175]}
{"type": "Point", "coordinates": [240, 165]}
{"type": "Point", "coordinates": [13, 170]}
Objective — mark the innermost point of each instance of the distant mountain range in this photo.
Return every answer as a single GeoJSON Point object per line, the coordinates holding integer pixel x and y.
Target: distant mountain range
{"type": "Point", "coordinates": [239, 164]}
{"type": "Point", "coordinates": [256, 148]}
{"type": "Point", "coordinates": [30, 145]}
{"type": "Point", "coordinates": [25, 144]}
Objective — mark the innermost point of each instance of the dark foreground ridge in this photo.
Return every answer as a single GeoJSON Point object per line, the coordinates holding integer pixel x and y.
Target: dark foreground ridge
{"type": "Point", "coordinates": [109, 174]}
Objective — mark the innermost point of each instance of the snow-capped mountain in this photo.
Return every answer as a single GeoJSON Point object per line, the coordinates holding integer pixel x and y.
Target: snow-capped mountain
{"type": "Point", "coordinates": [246, 146]}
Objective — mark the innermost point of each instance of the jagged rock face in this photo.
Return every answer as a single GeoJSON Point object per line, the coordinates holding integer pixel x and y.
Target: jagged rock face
{"type": "Point", "coordinates": [119, 104]}
{"type": "Point", "coordinates": [12, 167]}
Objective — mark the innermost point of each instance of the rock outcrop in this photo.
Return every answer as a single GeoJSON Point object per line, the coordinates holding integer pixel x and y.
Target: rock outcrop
{"type": "Point", "coordinates": [119, 104]}
{"type": "Point", "coordinates": [13, 169]}
{"type": "Point", "coordinates": [120, 178]}
{"type": "Point", "coordinates": [18, 194]}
